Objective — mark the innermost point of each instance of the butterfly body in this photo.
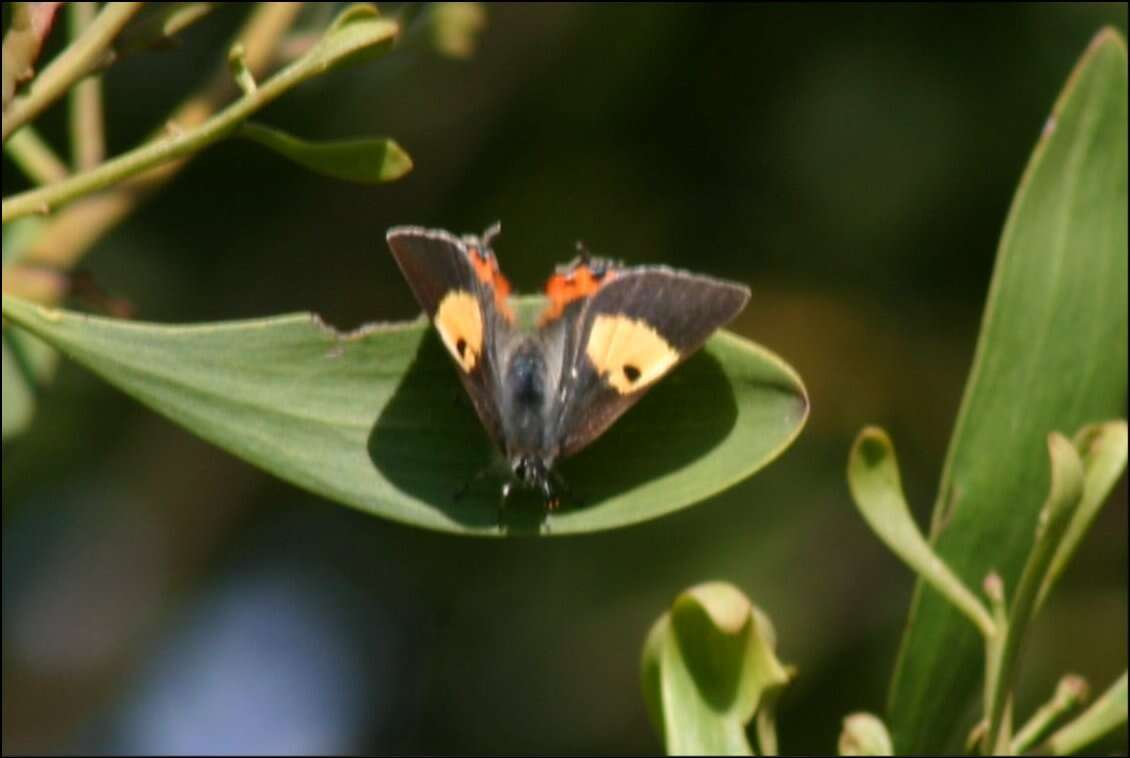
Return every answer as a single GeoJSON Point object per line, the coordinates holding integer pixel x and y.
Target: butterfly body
{"type": "Point", "coordinates": [608, 333]}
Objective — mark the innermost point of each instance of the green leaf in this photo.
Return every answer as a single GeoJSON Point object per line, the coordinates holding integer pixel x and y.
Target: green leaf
{"type": "Point", "coordinates": [1051, 355]}
{"type": "Point", "coordinates": [865, 734]}
{"type": "Point", "coordinates": [1104, 716]}
{"type": "Point", "coordinates": [369, 160]}
{"type": "Point", "coordinates": [1103, 450]}
{"type": "Point", "coordinates": [357, 34]}
{"type": "Point", "coordinates": [28, 364]}
{"type": "Point", "coordinates": [708, 665]}
{"type": "Point", "coordinates": [377, 418]}
{"type": "Point", "coordinates": [873, 477]}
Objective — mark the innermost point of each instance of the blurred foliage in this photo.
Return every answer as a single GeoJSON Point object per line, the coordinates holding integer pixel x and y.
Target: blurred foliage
{"type": "Point", "coordinates": [853, 163]}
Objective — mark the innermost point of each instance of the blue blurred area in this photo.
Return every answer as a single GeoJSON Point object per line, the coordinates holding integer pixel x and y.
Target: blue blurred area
{"type": "Point", "coordinates": [853, 164]}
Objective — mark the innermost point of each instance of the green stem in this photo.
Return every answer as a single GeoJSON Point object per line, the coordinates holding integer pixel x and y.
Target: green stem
{"type": "Point", "coordinates": [67, 235]}
{"type": "Point", "coordinates": [35, 157]}
{"type": "Point", "coordinates": [1069, 693]}
{"type": "Point", "coordinates": [88, 144]}
{"type": "Point", "coordinates": [766, 723]}
{"type": "Point", "coordinates": [318, 60]}
{"type": "Point", "coordinates": [75, 62]}
{"type": "Point", "coordinates": [1104, 715]}
{"type": "Point", "coordinates": [1064, 495]}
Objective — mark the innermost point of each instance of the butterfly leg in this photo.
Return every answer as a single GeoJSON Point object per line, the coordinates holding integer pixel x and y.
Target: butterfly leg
{"type": "Point", "coordinates": [504, 496]}
{"type": "Point", "coordinates": [563, 487]}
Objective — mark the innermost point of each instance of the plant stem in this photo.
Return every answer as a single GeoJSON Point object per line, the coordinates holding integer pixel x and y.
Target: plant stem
{"type": "Point", "coordinates": [29, 24]}
{"type": "Point", "coordinates": [88, 145]}
{"type": "Point", "coordinates": [1104, 715]}
{"type": "Point", "coordinates": [1064, 494]}
{"type": "Point", "coordinates": [35, 157]}
{"type": "Point", "coordinates": [1069, 693]}
{"type": "Point", "coordinates": [766, 722]}
{"type": "Point", "coordinates": [68, 67]}
{"type": "Point", "coordinates": [178, 145]}
{"type": "Point", "coordinates": [65, 237]}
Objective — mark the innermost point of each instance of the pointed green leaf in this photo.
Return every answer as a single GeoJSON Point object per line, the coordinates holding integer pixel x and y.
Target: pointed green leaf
{"type": "Point", "coordinates": [377, 418]}
{"type": "Point", "coordinates": [708, 665]}
{"type": "Point", "coordinates": [1051, 355]}
{"type": "Point", "coordinates": [369, 160]}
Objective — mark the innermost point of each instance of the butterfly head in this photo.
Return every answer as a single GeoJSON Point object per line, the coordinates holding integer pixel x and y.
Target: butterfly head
{"type": "Point", "coordinates": [535, 472]}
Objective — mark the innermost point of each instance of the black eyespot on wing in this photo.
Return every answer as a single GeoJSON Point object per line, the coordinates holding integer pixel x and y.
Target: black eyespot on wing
{"type": "Point", "coordinates": [631, 373]}
{"type": "Point", "coordinates": [461, 346]}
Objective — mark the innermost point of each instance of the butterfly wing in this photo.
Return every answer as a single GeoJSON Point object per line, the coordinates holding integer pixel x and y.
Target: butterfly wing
{"type": "Point", "coordinates": [458, 284]}
{"type": "Point", "coordinates": [631, 330]}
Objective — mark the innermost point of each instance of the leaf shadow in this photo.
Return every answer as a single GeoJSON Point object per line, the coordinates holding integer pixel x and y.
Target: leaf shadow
{"type": "Point", "coordinates": [429, 443]}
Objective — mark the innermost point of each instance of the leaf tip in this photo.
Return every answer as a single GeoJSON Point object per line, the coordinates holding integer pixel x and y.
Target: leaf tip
{"type": "Point", "coordinates": [727, 607]}
{"type": "Point", "coordinates": [873, 446]}
{"type": "Point", "coordinates": [1108, 35]}
{"type": "Point", "coordinates": [865, 734]}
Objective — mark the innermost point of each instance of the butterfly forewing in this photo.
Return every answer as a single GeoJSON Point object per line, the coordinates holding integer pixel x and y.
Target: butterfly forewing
{"type": "Point", "coordinates": [454, 283]}
{"type": "Point", "coordinates": [629, 334]}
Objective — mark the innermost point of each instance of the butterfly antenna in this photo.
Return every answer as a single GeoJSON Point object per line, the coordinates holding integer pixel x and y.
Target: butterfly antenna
{"type": "Point", "coordinates": [491, 233]}
{"type": "Point", "coordinates": [584, 252]}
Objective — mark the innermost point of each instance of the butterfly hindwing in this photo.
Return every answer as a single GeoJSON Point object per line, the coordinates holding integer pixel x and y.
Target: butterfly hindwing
{"type": "Point", "coordinates": [458, 284]}
{"type": "Point", "coordinates": [626, 335]}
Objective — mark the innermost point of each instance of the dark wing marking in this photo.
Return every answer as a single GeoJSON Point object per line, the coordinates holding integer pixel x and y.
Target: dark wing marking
{"type": "Point", "coordinates": [629, 334]}
{"type": "Point", "coordinates": [458, 284]}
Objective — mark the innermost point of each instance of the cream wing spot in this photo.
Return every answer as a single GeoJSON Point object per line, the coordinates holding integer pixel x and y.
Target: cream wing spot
{"type": "Point", "coordinates": [628, 353]}
{"type": "Point", "coordinates": [460, 325]}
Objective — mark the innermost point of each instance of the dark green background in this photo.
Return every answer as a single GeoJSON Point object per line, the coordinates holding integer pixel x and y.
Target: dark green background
{"type": "Point", "coordinates": [853, 164]}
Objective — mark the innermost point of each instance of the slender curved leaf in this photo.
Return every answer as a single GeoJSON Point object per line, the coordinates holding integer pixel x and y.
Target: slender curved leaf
{"type": "Point", "coordinates": [709, 664]}
{"type": "Point", "coordinates": [876, 488]}
{"type": "Point", "coordinates": [1051, 356]}
{"type": "Point", "coordinates": [377, 418]}
{"type": "Point", "coordinates": [369, 160]}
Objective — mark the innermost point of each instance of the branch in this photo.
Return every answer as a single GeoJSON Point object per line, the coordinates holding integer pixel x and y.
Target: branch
{"type": "Point", "coordinates": [68, 67]}
{"type": "Point", "coordinates": [31, 23]}
{"type": "Point", "coordinates": [65, 237]}
{"type": "Point", "coordinates": [337, 45]}
{"type": "Point", "coordinates": [35, 157]}
{"type": "Point", "coordinates": [88, 144]}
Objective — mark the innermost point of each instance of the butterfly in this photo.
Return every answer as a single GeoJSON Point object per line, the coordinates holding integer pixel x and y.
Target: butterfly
{"type": "Point", "coordinates": [608, 333]}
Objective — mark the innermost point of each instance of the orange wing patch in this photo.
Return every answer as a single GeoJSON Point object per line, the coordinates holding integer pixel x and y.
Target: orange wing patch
{"type": "Point", "coordinates": [577, 282]}
{"type": "Point", "coordinates": [486, 269]}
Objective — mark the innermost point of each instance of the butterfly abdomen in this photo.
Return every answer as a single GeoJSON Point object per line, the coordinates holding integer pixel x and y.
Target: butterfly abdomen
{"type": "Point", "coordinates": [525, 395]}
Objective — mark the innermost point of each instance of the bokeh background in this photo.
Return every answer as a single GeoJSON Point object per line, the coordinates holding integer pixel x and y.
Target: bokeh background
{"type": "Point", "coordinates": [853, 164]}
